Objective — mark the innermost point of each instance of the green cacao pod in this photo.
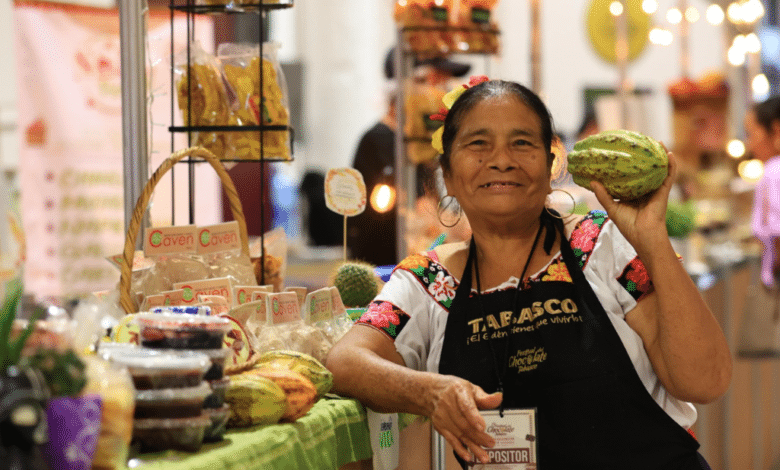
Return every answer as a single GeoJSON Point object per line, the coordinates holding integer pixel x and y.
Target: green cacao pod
{"type": "Point", "coordinates": [357, 283]}
{"type": "Point", "coordinates": [628, 164]}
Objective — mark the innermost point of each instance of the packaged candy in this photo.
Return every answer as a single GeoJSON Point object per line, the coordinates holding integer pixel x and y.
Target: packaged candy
{"type": "Point", "coordinates": [220, 247]}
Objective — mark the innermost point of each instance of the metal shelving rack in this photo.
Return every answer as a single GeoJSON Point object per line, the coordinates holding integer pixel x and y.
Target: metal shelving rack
{"type": "Point", "coordinates": [405, 175]}
{"type": "Point", "coordinates": [191, 8]}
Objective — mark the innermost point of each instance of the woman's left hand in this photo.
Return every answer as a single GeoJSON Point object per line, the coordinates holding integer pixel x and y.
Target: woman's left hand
{"type": "Point", "coordinates": [643, 220]}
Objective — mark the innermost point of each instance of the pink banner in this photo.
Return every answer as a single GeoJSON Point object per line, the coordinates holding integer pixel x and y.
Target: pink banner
{"type": "Point", "coordinates": [70, 126]}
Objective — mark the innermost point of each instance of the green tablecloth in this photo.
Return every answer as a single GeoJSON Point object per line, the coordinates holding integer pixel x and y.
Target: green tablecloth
{"type": "Point", "coordinates": [333, 433]}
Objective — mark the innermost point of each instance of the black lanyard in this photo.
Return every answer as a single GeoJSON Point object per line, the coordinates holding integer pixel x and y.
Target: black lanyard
{"type": "Point", "coordinates": [500, 377]}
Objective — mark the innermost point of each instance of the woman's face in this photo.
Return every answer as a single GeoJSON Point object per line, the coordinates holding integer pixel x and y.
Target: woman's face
{"type": "Point", "coordinates": [759, 141]}
{"type": "Point", "coordinates": [498, 162]}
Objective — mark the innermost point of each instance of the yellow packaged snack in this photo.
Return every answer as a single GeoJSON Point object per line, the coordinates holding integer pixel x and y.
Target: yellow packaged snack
{"type": "Point", "coordinates": [241, 69]}
{"type": "Point", "coordinates": [202, 97]}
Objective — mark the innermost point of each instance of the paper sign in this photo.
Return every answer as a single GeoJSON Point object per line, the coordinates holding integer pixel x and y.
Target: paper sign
{"type": "Point", "coordinates": [172, 297]}
{"type": "Point", "coordinates": [283, 307]}
{"type": "Point", "coordinates": [219, 238]}
{"type": "Point", "coordinates": [300, 292]}
{"type": "Point", "coordinates": [218, 286]}
{"type": "Point", "coordinates": [345, 191]}
{"type": "Point", "coordinates": [255, 311]}
{"type": "Point", "coordinates": [515, 437]}
{"type": "Point", "coordinates": [317, 306]}
{"type": "Point", "coordinates": [139, 261]}
{"type": "Point", "coordinates": [151, 301]}
{"type": "Point", "coordinates": [218, 304]}
{"type": "Point", "coordinates": [171, 240]}
{"type": "Point", "coordinates": [336, 302]}
{"type": "Point", "coordinates": [244, 294]}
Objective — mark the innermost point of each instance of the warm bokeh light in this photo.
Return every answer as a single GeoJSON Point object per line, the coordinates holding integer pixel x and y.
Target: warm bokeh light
{"type": "Point", "coordinates": [401, 3]}
{"type": "Point", "coordinates": [751, 170]}
{"type": "Point", "coordinates": [616, 8]}
{"type": "Point", "coordinates": [735, 148]}
{"type": "Point", "coordinates": [674, 16]}
{"type": "Point", "coordinates": [715, 15]}
{"type": "Point", "coordinates": [736, 56]}
{"type": "Point", "coordinates": [649, 6]}
{"type": "Point", "coordinates": [692, 15]}
{"type": "Point", "coordinates": [752, 11]}
{"type": "Point", "coordinates": [760, 87]}
{"type": "Point", "coordinates": [660, 36]}
{"type": "Point", "coordinates": [734, 12]}
{"type": "Point", "coordinates": [752, 43]}
{"type": "Point", "coordinates": [382, 198]}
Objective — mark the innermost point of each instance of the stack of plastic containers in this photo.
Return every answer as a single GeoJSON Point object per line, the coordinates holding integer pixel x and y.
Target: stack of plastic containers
{"type": "Point", "coordinates": [178, 373]}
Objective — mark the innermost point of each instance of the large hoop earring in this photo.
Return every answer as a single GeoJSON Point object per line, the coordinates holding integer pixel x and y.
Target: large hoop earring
{"type": "Point", "coordinates": [555, 213]}
{"type": "Point", "coordinates": [441, 208]}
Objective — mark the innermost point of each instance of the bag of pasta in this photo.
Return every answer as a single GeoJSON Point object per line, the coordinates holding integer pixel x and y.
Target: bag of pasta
{"type": "Point", "coordinates": [252, 106]}
{"type": "Point", "coordinates": [202, 97]}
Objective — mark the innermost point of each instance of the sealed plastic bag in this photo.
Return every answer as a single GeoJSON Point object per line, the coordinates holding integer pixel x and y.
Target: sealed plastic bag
{"type": "Point", "coordinates": [252, 106]}
{"type": "Point", "coordinates": [203, 97]}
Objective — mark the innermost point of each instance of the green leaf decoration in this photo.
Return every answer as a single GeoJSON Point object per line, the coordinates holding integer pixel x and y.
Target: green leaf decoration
{"type": "Point", "coordinates": [7, 316]}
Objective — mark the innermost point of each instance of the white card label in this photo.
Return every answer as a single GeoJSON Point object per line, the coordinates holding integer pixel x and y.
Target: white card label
{"type": "Point", "coordinates": [515, 437]}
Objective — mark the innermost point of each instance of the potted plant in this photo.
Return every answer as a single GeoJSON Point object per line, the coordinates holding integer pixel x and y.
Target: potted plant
{"type": "Point", "coordinates": [23, 393]}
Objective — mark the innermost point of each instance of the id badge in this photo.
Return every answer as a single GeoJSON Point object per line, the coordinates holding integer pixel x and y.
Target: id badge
{"type": "Point", "coordinates": [515, 438]}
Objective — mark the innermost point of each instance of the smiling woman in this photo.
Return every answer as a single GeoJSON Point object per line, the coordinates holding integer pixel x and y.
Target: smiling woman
{"type": "Point", "coordinates": [540, 313]}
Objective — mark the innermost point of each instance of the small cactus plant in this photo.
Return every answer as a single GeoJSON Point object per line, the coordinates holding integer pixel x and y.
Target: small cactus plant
{"type": "Point", "coordinates": [357, 283]}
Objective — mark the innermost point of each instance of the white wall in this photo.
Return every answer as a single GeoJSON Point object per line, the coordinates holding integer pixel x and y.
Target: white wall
{"type": "Point", "coordinates": [342, 45]}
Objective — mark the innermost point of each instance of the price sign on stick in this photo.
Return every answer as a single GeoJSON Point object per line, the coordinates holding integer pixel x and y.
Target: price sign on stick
{"type": "Point", "coordinates": [345, 194]}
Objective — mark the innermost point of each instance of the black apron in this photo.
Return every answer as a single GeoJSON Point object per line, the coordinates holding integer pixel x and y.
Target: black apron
{"type": "Point", "coordinates": [561, 355]}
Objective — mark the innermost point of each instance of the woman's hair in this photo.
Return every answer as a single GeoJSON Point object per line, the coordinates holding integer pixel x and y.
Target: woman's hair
{"type": "Point", "coordinates": [491, 89]}
{"type": "Point", "coordinates": [767, 111]}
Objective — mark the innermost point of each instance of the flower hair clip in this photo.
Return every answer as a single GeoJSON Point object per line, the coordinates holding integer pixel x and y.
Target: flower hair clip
{"type": "Point", "coordinates": [449, 99]}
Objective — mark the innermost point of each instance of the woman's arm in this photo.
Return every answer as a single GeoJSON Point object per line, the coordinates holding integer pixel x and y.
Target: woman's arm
{"type": "Point", "coordinates": [683, 340]}
{"type": "Point", "coordinates": [366, 366]}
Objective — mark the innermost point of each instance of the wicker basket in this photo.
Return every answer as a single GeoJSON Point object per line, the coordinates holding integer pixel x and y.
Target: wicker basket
{"type": "Point", "coordinates": [126, 299]}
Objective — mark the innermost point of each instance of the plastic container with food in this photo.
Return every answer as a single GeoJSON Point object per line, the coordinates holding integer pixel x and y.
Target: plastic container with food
{"type": "Point", "coordinates": [176, 331]}
{"type": "Point", "coordinates": [171, 433]}
{"type": "Point", "coordinates": [181, 309]}
{"type": "Point", "coordinates": [217, 396]}
{"type": "Point", "coordinates": [219, 419]}
{"type": "Point", "coordinates": [219, 360]}
{"type": "Point", "coordinates": [158, 369]}
{"type": "Point", "coordinates": [171, 402]}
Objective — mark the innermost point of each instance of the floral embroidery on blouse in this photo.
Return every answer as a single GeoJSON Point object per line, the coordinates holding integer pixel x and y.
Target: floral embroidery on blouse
{"type": "Point", "coordinates": [635, 279]}
{"type": "Point", "coordinates": [556, 271]}
{"type": "Point", "coordinates": [386, 317]}
{"type": "Point", "coordinates": [434, 278]}
{"type": "Point", "coordinates": [584, 236]}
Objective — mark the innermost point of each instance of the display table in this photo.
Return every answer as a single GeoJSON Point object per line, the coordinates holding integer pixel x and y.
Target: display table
{"type": "Point", "coordinates": [333, 434]}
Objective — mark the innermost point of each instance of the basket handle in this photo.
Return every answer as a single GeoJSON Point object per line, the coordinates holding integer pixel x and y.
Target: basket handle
{"type": "Point", "coordinates": [125, 297]}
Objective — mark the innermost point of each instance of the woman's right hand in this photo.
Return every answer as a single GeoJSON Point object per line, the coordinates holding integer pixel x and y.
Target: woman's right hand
{"type": "Point", "coordinates": [456, 405]}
